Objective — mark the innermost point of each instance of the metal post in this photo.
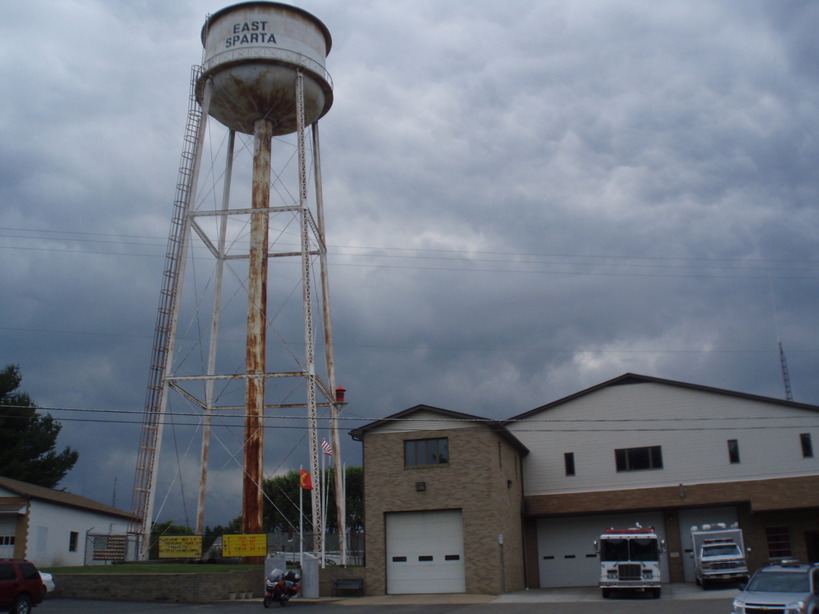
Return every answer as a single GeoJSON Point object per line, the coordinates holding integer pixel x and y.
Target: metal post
{"type": "Point", "coordinates": [214, 332]}
{"type": "Point", "coordinates": [256, 329]}
{"type": "Point", "coordinates": [335, 439]}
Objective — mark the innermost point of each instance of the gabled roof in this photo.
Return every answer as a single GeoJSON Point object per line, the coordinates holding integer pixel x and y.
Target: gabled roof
{"type": "Point", "coordinates": [493, 425]}
{"type": "Point", "coordinates": [633, 378]}
{"type": "Point", "coordinates": [31, 491]}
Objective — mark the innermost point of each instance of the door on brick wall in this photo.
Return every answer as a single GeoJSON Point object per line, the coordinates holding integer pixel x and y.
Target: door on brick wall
{"type": "Point", "coordinates": [566, 555]}
{"type": "Point", "coordinates": [425, 552]}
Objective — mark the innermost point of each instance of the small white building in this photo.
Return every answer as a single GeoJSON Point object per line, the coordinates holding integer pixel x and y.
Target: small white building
{"type": "Point", "coordinates": [53, 528]}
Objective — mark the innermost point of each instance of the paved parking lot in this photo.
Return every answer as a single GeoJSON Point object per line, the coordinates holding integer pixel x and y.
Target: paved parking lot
{"type": "Point", "coordinates": [676, 599]}
{"type": "Point", "coordinates": [675, 592]}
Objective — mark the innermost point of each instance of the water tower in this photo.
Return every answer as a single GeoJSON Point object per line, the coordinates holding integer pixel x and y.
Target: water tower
{"type": "Point", "coordinates": [262, 74]}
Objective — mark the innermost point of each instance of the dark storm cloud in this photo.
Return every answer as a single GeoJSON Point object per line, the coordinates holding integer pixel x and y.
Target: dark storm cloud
{"type": "Point", "coordinates": [523, 199]}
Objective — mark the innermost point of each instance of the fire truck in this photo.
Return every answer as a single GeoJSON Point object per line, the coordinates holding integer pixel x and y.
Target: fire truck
{"type": "Point", "coordinates": [630, 559]}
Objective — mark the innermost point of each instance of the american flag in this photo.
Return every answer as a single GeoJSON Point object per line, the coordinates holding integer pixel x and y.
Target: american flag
{"type": "Point", "coordinates": [326, 447]}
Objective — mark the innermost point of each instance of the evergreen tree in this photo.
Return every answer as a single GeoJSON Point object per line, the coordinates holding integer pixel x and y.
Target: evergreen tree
{"type": "Point", "coordinates": [28, 439]}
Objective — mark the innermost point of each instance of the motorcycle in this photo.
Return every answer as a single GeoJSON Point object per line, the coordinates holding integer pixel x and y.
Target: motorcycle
{"type": "Point", "coordinates": [281, 586]}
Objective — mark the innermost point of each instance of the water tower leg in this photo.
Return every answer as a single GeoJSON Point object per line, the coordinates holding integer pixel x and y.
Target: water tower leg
{"type": "Point", "coordinates": [214, 335]}
{"type": "Point", "coordinates": [256, 327]}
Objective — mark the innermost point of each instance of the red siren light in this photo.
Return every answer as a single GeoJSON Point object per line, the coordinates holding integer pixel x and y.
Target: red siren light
{"type": "Point", "coordinates": [340, 394]}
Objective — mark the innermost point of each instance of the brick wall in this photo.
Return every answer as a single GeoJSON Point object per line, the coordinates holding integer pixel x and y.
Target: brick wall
{"type": "Point", "coordinates": [482, 479]}
{"type": "Point", "coordinates": [778, 494]}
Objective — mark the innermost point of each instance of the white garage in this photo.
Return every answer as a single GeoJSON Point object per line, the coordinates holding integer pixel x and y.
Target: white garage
{"type": "Point", "coordinates": [425, 552]}
{"type": "Point", "coordinates": [565, 546]}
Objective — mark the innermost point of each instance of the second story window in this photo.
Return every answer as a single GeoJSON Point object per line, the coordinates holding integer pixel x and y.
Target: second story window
{"type": "Point", "coordinates": [635, 459]}
{"type": "Point", "coordinates": [733, 451]}
{"type": "Point", "coordinates": [419, 452]}
{"type": "Point", "coordinates": [568, 462]}
{"type": "Point", "coordinates": [807, 445]}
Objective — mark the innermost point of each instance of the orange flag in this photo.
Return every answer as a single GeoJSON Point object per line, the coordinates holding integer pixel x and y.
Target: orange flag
{"type": "Point", "coordinates": [305, 480]}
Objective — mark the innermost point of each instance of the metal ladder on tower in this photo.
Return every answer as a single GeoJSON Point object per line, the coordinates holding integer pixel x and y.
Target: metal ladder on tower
{"type": "Point", "coordinates": [155, 398]}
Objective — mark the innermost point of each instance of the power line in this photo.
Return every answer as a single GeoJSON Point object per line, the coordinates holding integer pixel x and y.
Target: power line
{"type": "Point", "coordinates": [750, 267]}
{"type": "Point", "coordinates": [533, 425]}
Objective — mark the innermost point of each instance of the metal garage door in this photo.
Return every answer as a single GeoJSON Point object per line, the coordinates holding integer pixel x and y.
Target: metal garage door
{"type": "Point", "coordinates": [566, 547]}
{"type": "Point", "coordinates": [425, 552]}
{"type": "Point", "coordinates": [8, 524]}
{"type": "Point", "coordinates": [698, 517]}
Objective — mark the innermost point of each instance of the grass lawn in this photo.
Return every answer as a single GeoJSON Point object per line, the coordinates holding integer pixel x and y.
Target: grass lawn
{"type": "Point", "coordinates": [152, 568]}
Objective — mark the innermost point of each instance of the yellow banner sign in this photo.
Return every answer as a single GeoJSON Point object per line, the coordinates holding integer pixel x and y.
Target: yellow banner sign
{"type": "Point", "coordinates": [180, 547]}
{"type": "Point", "coordinates": [244, 545]}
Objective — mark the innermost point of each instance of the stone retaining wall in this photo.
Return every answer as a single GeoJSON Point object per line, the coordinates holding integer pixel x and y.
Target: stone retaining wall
{"type": "Point", "coordinates": [193, 588]}
{"type": "Point", "coordinates": [162, 587]}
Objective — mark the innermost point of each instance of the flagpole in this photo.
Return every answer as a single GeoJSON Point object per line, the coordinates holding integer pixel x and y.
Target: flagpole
{"type": "Point", "coordinates": [326, 499]}
{"type": "Point", "coordinates": [344, 512]}
{"type": "Point", "coordinates": [301, 524]}
{"type": "Point", "coordinates": [323, 511]}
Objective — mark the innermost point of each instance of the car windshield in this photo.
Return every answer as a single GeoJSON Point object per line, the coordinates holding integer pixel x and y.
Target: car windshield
{"type": "Point", "coordinates": [721, 550]}
{"type": "Point", "coordinates": [639, 549]}
{"type": "Point", "coordinates": [780, 582]}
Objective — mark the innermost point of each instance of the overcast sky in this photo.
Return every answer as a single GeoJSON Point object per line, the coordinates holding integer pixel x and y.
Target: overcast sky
{"type": "Point", "coordinates": [524, 199]}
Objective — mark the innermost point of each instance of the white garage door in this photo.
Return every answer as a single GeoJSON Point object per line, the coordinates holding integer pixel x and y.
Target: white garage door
{"type": "Point", "coordinates": [565, 546]}
{"type": "Point", "coordinates": [699, 517]}
{"type": "Point", "coordinates": [7, 527]}
{"type": "Point", "coordinates": [425, 552]}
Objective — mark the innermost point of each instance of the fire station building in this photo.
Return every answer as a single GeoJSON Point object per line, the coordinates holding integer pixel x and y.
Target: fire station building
{"type": "Point", "coordinates": [458, 503]}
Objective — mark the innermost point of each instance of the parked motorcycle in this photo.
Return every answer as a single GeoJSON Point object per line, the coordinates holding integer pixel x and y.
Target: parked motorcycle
{"type": "Point", "coordinates": [281, 586]}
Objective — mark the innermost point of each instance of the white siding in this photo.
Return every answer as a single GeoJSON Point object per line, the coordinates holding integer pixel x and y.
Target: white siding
{"type": "Point", "coordinates": [425, 421]}
{"type": "Point", "coordinates": [50, 527]}
{"type": "Point", "coordinates": [692, 426]}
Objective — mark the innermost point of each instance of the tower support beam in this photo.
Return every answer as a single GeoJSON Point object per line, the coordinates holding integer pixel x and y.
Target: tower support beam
{"type": "Point", "coordinates": [256, 330]}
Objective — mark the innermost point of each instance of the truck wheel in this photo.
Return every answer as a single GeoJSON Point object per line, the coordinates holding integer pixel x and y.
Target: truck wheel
{"type": "Point", "coordinates": [606, 593]}
{"type": "Point", "coordinates": [22, 605]}
{"type": "Point", "coordinates": [656, 592]}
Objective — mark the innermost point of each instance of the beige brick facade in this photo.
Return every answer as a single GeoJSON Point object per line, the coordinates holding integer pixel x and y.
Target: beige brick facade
{"type": "Point", "coordinates": [482, 479]}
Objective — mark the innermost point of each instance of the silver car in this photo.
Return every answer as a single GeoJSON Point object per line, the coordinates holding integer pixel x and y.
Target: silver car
{"type": "Point", "coordinates": [789, 587]}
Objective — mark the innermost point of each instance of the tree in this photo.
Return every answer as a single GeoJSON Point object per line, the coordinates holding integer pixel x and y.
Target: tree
{"type": "Point", "coordinates": [281, 504]}
{"type": "Point", "coordinates": [210, 535]}
{"type": "Point", "coordinates": [28, 439]}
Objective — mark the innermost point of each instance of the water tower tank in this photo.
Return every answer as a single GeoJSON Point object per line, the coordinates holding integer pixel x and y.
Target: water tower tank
{"type": "Point", "coordinates": [252, 53]}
